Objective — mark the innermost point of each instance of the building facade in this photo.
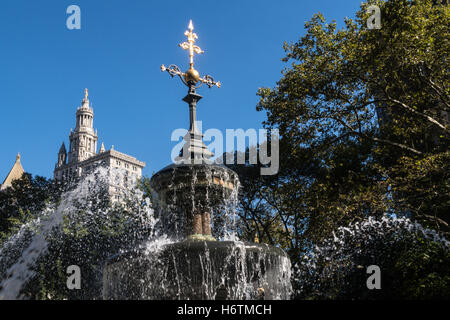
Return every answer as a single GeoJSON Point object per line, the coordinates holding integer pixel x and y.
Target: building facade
{"type": "Point", "coordinates": [82, 156]}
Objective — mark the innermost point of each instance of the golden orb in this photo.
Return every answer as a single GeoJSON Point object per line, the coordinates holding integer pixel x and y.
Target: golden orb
{"type": "Point", "coordinates": [192, 76]}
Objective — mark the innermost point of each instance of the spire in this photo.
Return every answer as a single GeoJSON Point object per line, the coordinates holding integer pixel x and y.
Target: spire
{"type": "Point", "coordinates": [62, 155]}
{"type": "Point", "coordinates": [15, 173]}
{"type": "Point", "coordinates": [85, 103]}
{"type": "Point", "coordinates": [63, 148]}
{"type": "Point", "coordinates": [102, 148]}
{"type": "Point", "coordinates": [86, 93]}
{"type": "Point", "coordinates": [83, 139]}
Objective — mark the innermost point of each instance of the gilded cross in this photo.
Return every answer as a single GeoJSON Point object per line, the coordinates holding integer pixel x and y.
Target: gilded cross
{"type": "Point", "coordinates": [189, 45]}
{"type": "Point", "coordinates": [191, 77]}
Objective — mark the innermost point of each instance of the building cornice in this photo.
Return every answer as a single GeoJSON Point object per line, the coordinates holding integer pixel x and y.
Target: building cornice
{"type": "Point", "coordinates": [124, 157]}
{"type": "Point", "coordinates": [107, 154]}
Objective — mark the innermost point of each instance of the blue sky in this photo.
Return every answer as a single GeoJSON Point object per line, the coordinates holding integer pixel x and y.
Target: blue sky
{"type": "Point", "coordinates": [44, 68]}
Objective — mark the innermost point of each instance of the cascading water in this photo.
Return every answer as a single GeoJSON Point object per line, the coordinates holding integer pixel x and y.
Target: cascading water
{"type": "Point", "coordinates": [210, 269]}
{"type": "Point", "coordinates": [81, 210]}
{"type": "Point", "coordinates": [200, 270]}
{"type": "Point", "coordinates": [337, 268]}
{"type": "Point", "coordinates": [175, 255]}
{"type": "Point", "coordinates": [198, 196]}
{"type": "Point", "coordinates": [197, 266]}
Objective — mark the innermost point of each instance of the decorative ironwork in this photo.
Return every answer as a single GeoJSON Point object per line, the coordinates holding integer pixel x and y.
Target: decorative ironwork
{"type": "Point", "coordinates": [191, 77]}
{"type": "Point", "coordinates": [174, 70]}
{"type": "Point", "coordinates": [209, 81]}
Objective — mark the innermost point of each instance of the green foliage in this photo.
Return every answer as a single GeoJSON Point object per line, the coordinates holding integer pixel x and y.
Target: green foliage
{"type": "Point", "coordinates": [88, 246]}
{"type": "Point", "coordinates": [422, 189]}
{"type": "Point", "coordinates": [424, 270]}
{"type": "Point", "coordinates": [26, 197]}
{"type": "Point", "coordinates": [93, 229]}
{"type": "Point", "coordinates": [363, 120]}
{"type": "Point", "coordinates": [353, 106]}
{"type": "Point", "coordinates": [413, 263]}
{"type": "Point", "coordinates": [88, 237]}
{"type": "Point", "coordinates": [260, 217]}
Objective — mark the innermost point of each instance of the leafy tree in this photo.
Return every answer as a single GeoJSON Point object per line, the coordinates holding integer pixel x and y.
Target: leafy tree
{"type": "Point", "coordinates": [259, 217]}
{"type": "Point", "coordinates": [353, 107]}
{"type": "Point", "coordinates": [363, 120]}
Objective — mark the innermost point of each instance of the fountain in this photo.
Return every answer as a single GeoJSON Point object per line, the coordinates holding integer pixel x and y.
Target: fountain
{"type": "Point", "coordinates": [196, 194]}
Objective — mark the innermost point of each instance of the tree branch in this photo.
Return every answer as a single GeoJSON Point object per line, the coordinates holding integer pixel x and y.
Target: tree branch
{"type": "Point", "coordinates": [362, 135]}
{"type": "Point", "coordinates": [405, 106]}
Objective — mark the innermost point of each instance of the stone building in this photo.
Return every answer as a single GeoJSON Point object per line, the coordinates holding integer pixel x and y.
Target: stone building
{"type": "Point", "coordinates": [16, 172]}
{"type": "Point", "coordinates": [82, 156]}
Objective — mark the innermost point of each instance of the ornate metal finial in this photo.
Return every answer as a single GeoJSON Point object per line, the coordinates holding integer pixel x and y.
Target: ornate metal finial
{"type": "Point", "coordinates": [191, 77]}
{"type": "Point", "coordinates": [189, 45]}
{"type": "Point", "coordinates": [18, 156]}
{"type": "Point", "coordinates": [85, 94]}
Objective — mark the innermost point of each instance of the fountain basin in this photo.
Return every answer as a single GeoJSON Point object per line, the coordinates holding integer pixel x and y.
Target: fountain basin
{"type": "Point", "coordinates": [194, 190]}
{"type": "Point", "coordinates": [199, 270]}
{"type": "Point", "coordinates": [209, 183]}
